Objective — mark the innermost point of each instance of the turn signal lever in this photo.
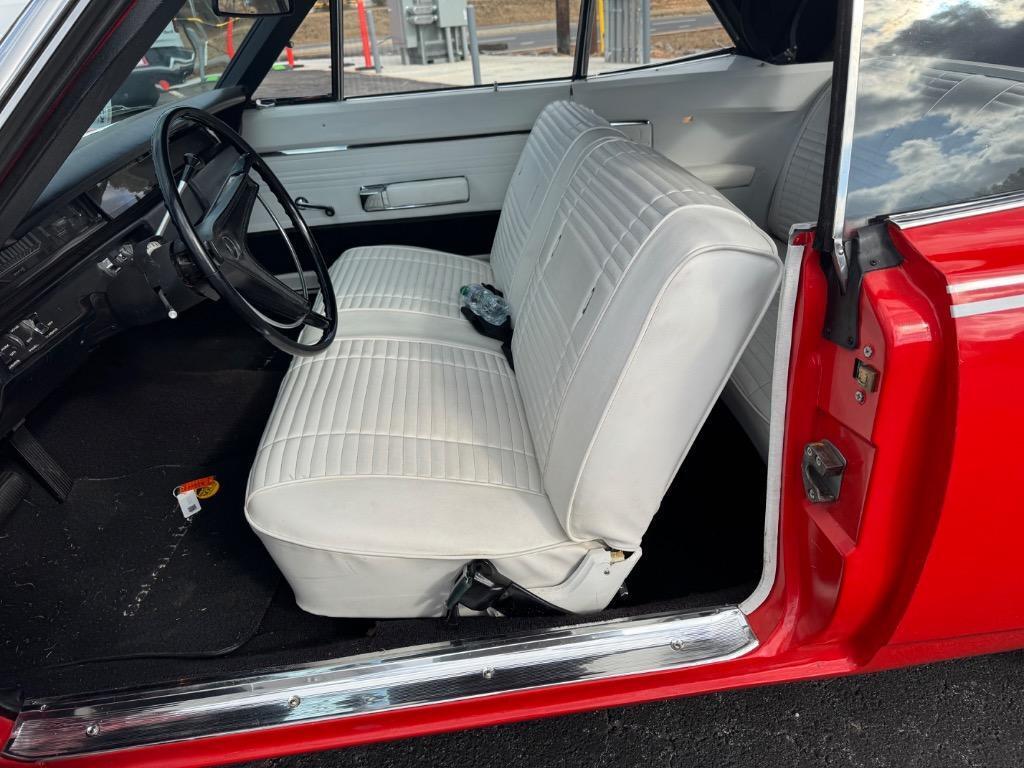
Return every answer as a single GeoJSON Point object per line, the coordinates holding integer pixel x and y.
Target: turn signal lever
{"type": "Point", "coordinates": [192, 165]}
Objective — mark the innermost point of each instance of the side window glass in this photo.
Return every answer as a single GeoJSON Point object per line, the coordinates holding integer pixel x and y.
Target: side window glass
{"type": "Point", "coordinates": [940, 106]}
{"type": "Point", "coordinates": [303, 68]}
{"type": "Point", "coordinates": [635, 33]}
{"type": "Point", "coordinates": [400, 46]}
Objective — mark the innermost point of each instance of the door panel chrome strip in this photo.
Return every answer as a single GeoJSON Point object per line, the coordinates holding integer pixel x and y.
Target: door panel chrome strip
{"type": "Point", "coordinates": [985, 283]}
{"type": "Point", "coordinates": [380, 144]}
{"type": "Point", "coordinates": [987, 306]}
{"type": "Point", "coordinates": [408, 677]}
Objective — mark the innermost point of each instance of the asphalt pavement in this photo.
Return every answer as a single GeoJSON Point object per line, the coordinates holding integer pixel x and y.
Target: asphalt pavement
{"type": "Point", "coordinates": [953, 714]}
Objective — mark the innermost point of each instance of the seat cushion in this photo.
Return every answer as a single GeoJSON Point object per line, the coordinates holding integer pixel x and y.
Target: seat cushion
{"type": "Point", "coordinates": [405, 279]}
{"type": "Point", "coordinates": [399, 460]}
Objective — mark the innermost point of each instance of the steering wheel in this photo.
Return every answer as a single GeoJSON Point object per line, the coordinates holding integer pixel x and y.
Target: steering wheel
{"type": "Point", "coordinates": [218, 246]}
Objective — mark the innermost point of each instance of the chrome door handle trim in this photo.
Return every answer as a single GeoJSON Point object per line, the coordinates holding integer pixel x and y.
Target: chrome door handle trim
{"type": "Point", "coordinates": [374, 197]}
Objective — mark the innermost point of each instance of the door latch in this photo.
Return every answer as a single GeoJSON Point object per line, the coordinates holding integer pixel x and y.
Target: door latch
{"type": "Point", "coordinates": [823, 467]}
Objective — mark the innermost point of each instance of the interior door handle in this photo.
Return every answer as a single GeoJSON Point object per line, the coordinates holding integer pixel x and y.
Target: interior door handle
{"type": "Point", "coordinates": [423, 193]}
{"type": "Point", "coordinates": [304, 204]}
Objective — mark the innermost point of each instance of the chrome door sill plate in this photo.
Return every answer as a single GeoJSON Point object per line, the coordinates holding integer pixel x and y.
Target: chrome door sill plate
{"type": "Point", "coordinates": [408, 677]}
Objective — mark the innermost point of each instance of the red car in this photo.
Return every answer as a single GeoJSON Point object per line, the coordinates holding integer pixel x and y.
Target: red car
{"type": "Point", "coordinates": [288, 465]}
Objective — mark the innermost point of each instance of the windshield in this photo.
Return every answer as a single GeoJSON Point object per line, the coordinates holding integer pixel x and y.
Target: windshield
{"type": "Point", "coordinates": [188, 57]}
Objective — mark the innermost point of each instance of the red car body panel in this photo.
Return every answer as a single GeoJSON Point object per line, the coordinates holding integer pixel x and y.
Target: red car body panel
{"type": "Point", "coordinates": [877, 579]}
{"type": "Point", "coordinates": [971, 581]}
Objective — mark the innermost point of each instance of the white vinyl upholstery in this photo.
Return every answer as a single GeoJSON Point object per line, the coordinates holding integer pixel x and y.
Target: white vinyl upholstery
{"type": "Point", "coordinates": [428, 282]}
{"type": "Point", "coordinates": [635, 317]}
{"type": "Point", "coordinates": [392, 459]}
{"type": "Point", "coordinates": [794, 201]}
{"type": "Point", "coordinates": [441, 471]}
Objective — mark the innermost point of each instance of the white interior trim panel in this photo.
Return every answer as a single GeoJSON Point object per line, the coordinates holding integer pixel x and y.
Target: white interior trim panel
{"type": "Point", "coordinates": [334, 178]}
{"type": "Point", "coordinates": [409, 117]}
{"type": "Point", "coordinates": [720, 110]}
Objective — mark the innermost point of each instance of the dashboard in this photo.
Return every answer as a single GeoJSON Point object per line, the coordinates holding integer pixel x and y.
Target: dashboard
{"type": "Point", "coordinates": [83, 265]}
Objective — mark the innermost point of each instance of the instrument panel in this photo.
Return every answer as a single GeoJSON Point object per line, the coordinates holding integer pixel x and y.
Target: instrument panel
{"type": "Point", "coordinates": [85, 264]}
{"type": "Point", "coordinates": [48, 240]}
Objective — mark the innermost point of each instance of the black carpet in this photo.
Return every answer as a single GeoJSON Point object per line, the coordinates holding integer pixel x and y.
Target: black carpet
{"type": "Point", "coordinates": [116, 570]}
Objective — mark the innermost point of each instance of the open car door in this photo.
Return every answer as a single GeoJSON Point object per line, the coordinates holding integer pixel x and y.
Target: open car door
{"type": "Point", "coordinates": [898, 536]}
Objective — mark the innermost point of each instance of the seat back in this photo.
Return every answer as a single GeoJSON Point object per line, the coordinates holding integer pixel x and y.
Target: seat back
{"type": "Point", "coordinates": [561, 136]}
{"type": "Point", "coordinates": [649, 285]}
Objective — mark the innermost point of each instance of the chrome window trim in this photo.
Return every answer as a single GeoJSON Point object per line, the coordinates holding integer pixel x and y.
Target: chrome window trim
{"type": "Point", "coordinates": [408, 677]}
{"type": "Point", "coordinates": [839, 256]}
{"type": "Point", "coordinates": [393, 143]}
{"type": "Point", "coordinates": [954, 211]}
{"type": "Point", "coordinates": [28, 45]}
{"type": "Point", "coordinates": [305, 151]}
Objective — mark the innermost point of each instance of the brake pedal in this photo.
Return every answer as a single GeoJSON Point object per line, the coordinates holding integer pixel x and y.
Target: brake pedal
{"type": "Point", "coordinates": [46, 468]}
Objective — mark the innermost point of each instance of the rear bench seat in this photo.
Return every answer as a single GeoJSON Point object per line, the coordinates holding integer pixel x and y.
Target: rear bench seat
{"type": "Point", "coordinates": [984, 95]}
{"type": "Point", "coordinates": [410, 448]}
{"type": "Point", "coordinates": [794, 201]}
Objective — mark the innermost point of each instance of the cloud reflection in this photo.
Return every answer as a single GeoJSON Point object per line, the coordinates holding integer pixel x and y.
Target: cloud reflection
{"type": "Point", "coordinates": [935, 122]}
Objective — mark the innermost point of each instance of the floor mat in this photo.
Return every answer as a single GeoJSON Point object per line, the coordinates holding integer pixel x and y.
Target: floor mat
{"type": "Point", "coordinates": [116, 570]}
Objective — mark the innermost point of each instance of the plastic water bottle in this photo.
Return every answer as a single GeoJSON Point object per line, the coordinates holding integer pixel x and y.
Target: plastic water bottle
{"type": "Point", "coordinates": [486, 305]}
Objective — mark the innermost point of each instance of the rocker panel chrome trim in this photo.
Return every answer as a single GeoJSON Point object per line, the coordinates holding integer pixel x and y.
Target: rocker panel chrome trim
{"type": "Point", "coordinates": [428, 674]}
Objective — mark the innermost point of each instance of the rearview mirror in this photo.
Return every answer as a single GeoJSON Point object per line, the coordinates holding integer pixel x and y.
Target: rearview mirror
{"type": "Point", "coordinates": [247, 8]}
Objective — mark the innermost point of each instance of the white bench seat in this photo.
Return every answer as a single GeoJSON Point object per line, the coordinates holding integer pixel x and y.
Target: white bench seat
{"type": "Point", "coordinates": [394, 458]}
